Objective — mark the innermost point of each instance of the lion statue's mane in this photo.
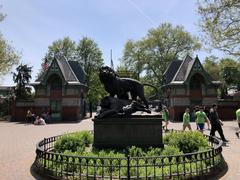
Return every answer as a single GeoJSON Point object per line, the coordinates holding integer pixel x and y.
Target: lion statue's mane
{"type": "Point", "coordinates": [120, 87]}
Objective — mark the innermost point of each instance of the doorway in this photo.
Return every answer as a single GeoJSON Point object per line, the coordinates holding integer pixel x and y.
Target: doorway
{"type": "Point", "coordinates": [195, 89]}
{"type": "Point", "coordinates": [56, 107]}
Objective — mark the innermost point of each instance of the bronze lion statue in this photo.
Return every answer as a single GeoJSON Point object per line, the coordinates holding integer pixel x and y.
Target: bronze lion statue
{"type": "Point", "coordinates": [120, 87]}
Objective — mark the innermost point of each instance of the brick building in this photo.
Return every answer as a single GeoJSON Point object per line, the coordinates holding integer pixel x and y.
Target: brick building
{"type": "Point", "coordinates": [61, 88]}
{"type": "Point", "coordinates": [187, 84]}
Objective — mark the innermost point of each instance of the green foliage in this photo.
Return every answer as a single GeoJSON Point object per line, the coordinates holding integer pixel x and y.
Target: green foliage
{"type": "Point", "coordinates": [75, 142]}
{"type": "Point", "coordinates": [8, 55]}
{"type": "Point", "coordinates": [211, 66]}
{"type": "Point", "coordinates": [90, 57]}
{"type": "Point", "coordinates": [136, 152]}
{"type": "Point", "coordinates": [226, 70]}
{"type": "Point", "coordinates": [171, 150]}
{"type": "Point", "coordinates": [187, 141]}
{"type": "Point", "coordinates": [230, 72]}
{"type": "Point", "coordinates": [61, 48]}
{"type": "Point", "coordinates": [156, 50]}
{"type": "Point", "coordinates": [220, 22]}
{"type": "Point", "coordinates": [176, 143]}
{"type": "Point", "coordinates": [5, 106]}
{"type": "Point", "coordinates": [22, 78]}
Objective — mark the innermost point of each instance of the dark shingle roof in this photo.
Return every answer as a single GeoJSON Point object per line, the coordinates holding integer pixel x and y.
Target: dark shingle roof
{"type": "Point", "coordinates": [171, 71]}
{"type": "Point", "coordinates": [78, 71]}
{"type": "Point", "coordinates": [71, 71]}
{"type": "Point", "coordinates": [66, 70]}
{"type": "Point", "coordinates": [178, 71]}
{"type": "Point", "coordinates": [183, 69]}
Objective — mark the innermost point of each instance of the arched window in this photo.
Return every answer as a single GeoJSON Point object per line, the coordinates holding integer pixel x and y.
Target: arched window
{"type": "Point", "coordinates": [196, 82]}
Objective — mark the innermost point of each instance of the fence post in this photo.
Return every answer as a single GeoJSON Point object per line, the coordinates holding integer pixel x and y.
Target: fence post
{"type": "Point", "coordinates": [128, 167]}
{"type": "Point", "coordinates": [213, 154]}
{"type": "Point", "coordinates": [44, 155]}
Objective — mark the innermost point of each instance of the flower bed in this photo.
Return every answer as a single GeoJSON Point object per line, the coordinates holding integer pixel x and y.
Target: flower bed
{"type": "Point", "coordinates": [187, 155]}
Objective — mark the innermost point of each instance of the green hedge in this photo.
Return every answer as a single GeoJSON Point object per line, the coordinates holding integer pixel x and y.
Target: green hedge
{"type": "Point", "coordinates": [187, 141]}
{"type": "Point", "coordinates": [74, 142]}
{"type": "Point", "coordinates": [176, 143]}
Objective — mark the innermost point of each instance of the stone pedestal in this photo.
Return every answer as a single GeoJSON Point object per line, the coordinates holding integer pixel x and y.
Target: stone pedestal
{"type": "Point", "coordinates": [120, 132]}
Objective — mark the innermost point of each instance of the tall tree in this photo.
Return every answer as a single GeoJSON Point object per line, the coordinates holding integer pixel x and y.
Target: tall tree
{"type": "Point", "coordinates": [133, 58]}
{"type": "Point", "coordinates": [22, 78]}
{"type": "Point", "coordinates": [225, 70]}
{"type": "Point", "coordinates": [61, 47]}
{"type": "Point", "coordinates": [154, 52]}
{"type": "Point", "coordinates": [211, 65]}
{"type": "Point", "coordinates": [90, 57]}
{"type": "Point", "coordinates": [220, 22]}
{"type": "Point", "coordinates": [230, 72]}
{"type": "Point", "coordinates": [8, 55]}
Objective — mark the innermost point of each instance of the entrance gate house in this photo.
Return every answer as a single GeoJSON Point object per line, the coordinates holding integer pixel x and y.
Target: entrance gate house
{"type": "Point", "coordinates": [187, 84]}
{"type": "Point", "coordinates": [61, 89]}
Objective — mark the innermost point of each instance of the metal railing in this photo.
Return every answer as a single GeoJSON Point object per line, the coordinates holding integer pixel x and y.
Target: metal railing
{"type": "Point", "coordinates": [191, 165]}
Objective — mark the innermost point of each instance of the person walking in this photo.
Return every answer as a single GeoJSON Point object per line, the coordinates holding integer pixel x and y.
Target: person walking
{"type": "Point", "coordinates": [205, 109]}
{"type": "Point", "coordinates": [195, 109]}
{"type": "Point", "coordinates": [238, 121]}
{"type": "Point", "coordinates": [200, 119]}
{"type": "Point", "coordinates": [186, 120]}
{"type": "Point", "coordinates": [165, 116]}
{"type": "Point", "coordinates": [216, 123]}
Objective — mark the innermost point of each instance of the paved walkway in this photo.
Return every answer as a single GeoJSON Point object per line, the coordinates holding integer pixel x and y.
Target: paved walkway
{"type": "Point", "coordinates": [18, 140]}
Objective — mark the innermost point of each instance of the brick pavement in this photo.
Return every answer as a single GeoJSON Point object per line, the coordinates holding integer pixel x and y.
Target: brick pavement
{"type": "Point", "coordinates": [17, 146]}
{"type": "Point", "coordinates": [18, 142]}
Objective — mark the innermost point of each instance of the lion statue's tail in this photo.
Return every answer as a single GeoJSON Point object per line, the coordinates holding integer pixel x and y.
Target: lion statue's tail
{"type": "Point", "coordinates": [156, 91]}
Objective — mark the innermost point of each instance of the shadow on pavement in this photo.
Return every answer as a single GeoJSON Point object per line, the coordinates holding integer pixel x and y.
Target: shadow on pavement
{"type": "Point", "coordinates": [220, 172]}
{"type": "Point", "coordinates": [35, 175]}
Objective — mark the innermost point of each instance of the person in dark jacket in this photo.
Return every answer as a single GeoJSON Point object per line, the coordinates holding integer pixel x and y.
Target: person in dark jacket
{"type": "Point", "coordinates": [216, 123]}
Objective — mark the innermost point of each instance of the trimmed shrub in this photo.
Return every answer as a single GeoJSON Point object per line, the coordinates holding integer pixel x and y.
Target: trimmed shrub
{"type": "Point", "coordinates": [75, 142]}
{"type": "Point", "coordinates": [134, 151]}
{"type": "Point", "coordinates": [187, 141]}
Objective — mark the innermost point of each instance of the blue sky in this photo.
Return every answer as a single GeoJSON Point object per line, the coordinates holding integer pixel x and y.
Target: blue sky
{"type": "Point", "coordinates": [31, 25]}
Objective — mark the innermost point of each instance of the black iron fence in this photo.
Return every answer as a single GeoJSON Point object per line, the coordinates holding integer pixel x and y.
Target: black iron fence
{"type": "Point", "coordinates": [192, 165]}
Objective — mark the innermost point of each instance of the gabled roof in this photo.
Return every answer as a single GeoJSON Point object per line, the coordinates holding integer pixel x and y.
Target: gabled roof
{"type": "Point", "coordinates": [78, 71]}
{"type": "Point", "coordinates": [183, 69]}
{"type": "Point", "coordinates": [71, 71]}
{"type": "Point", "coordinates": [178, 74]}
{"type": "Point", "coordinates": [171, 71]}
{"type": "Point", "coordinates": [66, 70]}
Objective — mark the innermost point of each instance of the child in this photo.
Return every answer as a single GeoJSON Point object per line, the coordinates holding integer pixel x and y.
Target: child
{"type": "Point", "coordinates": [186, 120]}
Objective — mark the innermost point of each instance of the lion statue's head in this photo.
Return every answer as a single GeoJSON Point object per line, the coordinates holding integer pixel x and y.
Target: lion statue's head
{"type": "Point", "coordinates": [107, 74]}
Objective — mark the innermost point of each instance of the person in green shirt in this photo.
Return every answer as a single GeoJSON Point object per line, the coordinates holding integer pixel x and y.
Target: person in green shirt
{"type": "Point", "coordinates": [186, 120]}
{"type": "Point", "coordinates": [238, 121]}
{"type": "Point", "coordinates": [165, 116]}
{"type": "Point", "coordinates": [200, 119]}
